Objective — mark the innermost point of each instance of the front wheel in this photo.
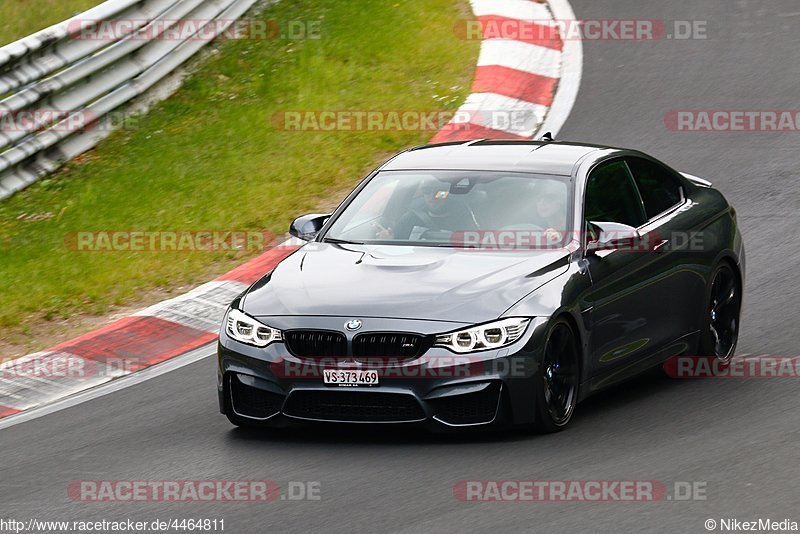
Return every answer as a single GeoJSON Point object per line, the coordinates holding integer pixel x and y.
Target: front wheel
{"type": "Point", "coordinates": [720, 330]}
{"type": "Point", "coordinates": [556, 382]}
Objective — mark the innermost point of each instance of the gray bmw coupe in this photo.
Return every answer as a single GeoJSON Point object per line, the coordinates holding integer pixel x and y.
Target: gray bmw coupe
{"type": "Point", "coordinates": [485, 283]}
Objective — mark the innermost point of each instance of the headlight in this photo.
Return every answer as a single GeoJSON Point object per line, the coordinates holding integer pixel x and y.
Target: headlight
{"type": "Point", "coordinates": [488, 336]}
{"type": "Point", "coordinates": [245, 329]}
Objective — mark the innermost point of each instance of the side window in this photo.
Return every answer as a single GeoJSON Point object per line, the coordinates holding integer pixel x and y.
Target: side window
{"type": "Point", "coordinates": [659, 188]}
{"type": "Point", "coordinates": [611, 196]}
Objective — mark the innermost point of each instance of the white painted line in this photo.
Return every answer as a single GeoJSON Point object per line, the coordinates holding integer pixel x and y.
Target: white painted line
{"type": "Point", "coordinates": [111, 387]}
{"type": "Point", "coordinates": [517, 55]}
{"type": "Point", "coordinates": [571, 74]}
{"type": "Point", "coordinates": [513, 9]}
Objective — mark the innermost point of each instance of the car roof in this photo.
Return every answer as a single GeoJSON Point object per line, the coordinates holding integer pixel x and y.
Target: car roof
{"type": "Point", "coordinates": [544, 157]}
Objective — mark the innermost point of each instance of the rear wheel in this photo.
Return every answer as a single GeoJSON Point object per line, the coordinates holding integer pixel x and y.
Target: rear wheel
{"type": "Point", "coordinates": [720, 330]}
{"type": "Point", "coordinates": [557, 381]}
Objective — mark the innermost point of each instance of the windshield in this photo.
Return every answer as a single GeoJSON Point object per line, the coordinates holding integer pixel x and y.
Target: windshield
{"type": "Point", "coordinates": [453, 208]}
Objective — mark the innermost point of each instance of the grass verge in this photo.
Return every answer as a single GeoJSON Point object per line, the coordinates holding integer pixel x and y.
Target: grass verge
{"type": "Point", "coordinates": [210, 157]}
{"type": "Point", "coordinates": [24, 17]}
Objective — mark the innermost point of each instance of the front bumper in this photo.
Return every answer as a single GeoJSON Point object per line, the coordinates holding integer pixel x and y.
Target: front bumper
{"type": "Point", "coordinates": [440, 390]}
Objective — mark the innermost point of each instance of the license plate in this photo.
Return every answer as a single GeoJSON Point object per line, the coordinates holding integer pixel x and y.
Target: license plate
{"type": "Point", "coordinates": [350, 377]}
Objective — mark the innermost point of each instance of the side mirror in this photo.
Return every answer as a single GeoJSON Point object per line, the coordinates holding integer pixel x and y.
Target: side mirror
{"type": "Point", "coordinates": [308, 226]}
{"type": "Point", "coordinates": [611, 236]}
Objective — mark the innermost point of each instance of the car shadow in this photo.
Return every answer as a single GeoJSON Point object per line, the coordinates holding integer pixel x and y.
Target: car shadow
{"type": "Point", "coordinates": [633, 391]}
{"type": "Point", "coordinates": [615, 399]}
{"type": "Point", "coordinates": [372, 434]}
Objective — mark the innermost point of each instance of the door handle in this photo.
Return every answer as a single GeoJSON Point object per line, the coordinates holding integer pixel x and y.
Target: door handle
{"type": "Point", "coordinates": [660, 246]}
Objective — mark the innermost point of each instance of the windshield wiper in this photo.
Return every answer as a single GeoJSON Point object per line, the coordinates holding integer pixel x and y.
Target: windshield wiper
{"type": "Point", "coordinates": [340, 241]}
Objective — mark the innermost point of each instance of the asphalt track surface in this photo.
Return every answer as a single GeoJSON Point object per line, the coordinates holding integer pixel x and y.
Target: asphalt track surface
{"type": "Point", "coordinates": [738, 436]}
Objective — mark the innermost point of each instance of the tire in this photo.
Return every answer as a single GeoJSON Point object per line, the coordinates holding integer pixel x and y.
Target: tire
{"type": "Point", "coordinates": [719, 332]}
{"type": "Point", "coordinates": [557, 381]}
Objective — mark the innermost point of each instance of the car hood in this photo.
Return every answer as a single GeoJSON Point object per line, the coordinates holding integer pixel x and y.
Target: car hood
{"type": "Point", "coordinates": [441, 284]}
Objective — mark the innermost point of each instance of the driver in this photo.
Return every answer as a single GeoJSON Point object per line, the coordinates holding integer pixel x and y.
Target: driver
{"type": "Point", "coordinates": [537, 208]}
{"type": "Point", "coordinates": [439, 211]}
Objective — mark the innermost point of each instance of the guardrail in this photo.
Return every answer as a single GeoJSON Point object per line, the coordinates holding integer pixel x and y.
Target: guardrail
{"type": "Point", "coordinates": [66, 85]}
